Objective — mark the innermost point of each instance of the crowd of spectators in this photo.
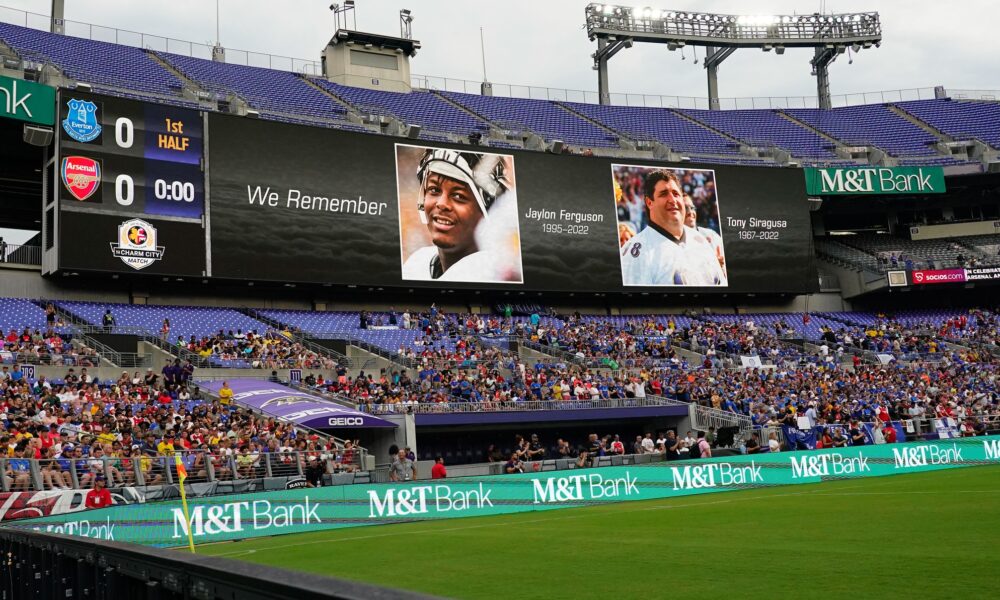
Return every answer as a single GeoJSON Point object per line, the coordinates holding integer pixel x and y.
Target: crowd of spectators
{"type": "Point", "coordinates": [526, 452]}
{"type": "Point", "coordinates": [273, 349]}
{"type": "Point", "coordinates": [34, 346]}
{"type": "Point", "coordinates": [128, 430]}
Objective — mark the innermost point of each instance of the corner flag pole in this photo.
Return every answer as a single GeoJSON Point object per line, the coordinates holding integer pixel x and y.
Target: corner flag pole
{"type": "Point", "coordinates": [181, 476]}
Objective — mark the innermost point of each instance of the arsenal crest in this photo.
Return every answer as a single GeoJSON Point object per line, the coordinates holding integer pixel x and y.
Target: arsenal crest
{"type": "Point", "coordinates": [136, 244]}
{"type": "Point", "coordinates": [82, 123]}
{"type": "Point", "coordinates": [81, 176]}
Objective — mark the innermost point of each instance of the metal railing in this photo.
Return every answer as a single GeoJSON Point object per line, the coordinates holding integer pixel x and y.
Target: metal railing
{"type": "Point", "coordinates": [299, 336]}
{"type": "Point", "coordinates": [68, 360]}
{"type": "Point", "coordinates": [46, 474]}
{"type": "Point", "coordinates": [20, 254]}
{"type": "Point", "coordinates": [509, 90]}
{"type": "Point", "coordinates": [704, 417]}
{"type": "Point", "coordinates": [516, 406]}
{"type": "Point", "coordinates": [100, 33]}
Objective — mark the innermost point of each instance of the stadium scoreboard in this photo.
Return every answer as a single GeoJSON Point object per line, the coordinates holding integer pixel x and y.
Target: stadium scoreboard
{"type": "Point", "coordinates": [145, 188]}
{"type": "Point", "coordinates": [130, 183]}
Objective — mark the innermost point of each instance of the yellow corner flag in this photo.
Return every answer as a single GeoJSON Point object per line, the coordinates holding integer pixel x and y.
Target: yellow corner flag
{"type": "Point", "coordinates": [181, 476]}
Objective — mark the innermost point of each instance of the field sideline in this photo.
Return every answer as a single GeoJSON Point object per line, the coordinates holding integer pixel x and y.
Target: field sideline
{"type": "Point", "coordinates": [929, 535]}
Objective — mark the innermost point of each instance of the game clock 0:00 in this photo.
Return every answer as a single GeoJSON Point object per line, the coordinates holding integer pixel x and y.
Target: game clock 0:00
{"type": "Point", "coordinates": [130, 157]}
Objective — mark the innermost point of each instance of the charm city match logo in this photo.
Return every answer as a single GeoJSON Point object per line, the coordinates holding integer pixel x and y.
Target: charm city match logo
{"type": "Point", "coordinates": [136, 244]}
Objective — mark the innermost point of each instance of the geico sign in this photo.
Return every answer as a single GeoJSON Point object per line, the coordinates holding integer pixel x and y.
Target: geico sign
{"type": "Point", "coordinates": [825, 465]}
{"type": "Point", "coordinates": [577, 488]}
{"type": "Point", "coordinates": [345, 421]}
{"type": "Point", "coordinates": [926, 455]}
{"type": "Point", "coordinates": [233, 517]}
{"type": "Point", "coordinates": [696, 477]}
{"type": "Point", "coordinates": [419, 499]}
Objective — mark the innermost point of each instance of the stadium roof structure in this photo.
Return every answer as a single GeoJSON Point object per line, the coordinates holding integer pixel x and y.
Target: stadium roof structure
{"type": "Point", "coordinates": [616, 27]}
{"type": "Point", "coordinates": [358, 38]}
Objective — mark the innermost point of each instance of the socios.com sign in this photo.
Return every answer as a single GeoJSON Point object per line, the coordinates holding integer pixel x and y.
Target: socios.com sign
{"type": "Point", "coordinates": [295, 511]}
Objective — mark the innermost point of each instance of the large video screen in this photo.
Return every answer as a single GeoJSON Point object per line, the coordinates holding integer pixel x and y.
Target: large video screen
{"type": "Point", "coordinates": [290, 203]}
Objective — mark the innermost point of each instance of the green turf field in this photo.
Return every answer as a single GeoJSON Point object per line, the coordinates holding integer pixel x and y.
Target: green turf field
{"type": "Point", "coordinates": [929, 535]}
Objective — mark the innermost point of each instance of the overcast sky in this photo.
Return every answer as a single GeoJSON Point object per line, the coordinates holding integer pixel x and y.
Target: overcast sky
{"type": "Point", "coordinates": [542, 42]}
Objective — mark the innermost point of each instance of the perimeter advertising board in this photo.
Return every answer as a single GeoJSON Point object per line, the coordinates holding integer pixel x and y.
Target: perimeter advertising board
{"type": "Point", "coordinates": [295, 511]}
{"type": "Point", "coordinates": [304, 204]}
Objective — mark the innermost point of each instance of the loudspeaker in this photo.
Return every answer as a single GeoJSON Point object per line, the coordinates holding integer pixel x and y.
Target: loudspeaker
{"type": "Point", "coordinates": [37, 136]}
{"type": "Point", "coordinates": [815, 204]}
{"type": "Point", "coordinates": [413, 131]}
{"type": "Point", "coordinates": [557, 146]}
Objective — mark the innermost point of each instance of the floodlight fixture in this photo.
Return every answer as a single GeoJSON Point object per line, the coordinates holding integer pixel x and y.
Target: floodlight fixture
{"type": "Point", "coordinates": [611, 25]}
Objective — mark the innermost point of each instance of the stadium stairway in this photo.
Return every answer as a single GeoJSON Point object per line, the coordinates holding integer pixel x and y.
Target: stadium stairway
{"type": "Point", "coordinates": [340, 357]}
{"type": "Point", "coordinates": [624, 140]}
{"type": "Point", "coordinates": [163, 349]}
{"type": "Point", "coordinates": [187, 82]}
{"type": "Point", "coordinates": [743, 146]}
{"type": "Point", "coordinates": [353, 113]}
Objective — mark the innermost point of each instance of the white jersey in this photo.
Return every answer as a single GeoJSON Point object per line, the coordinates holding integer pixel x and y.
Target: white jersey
{"type": "Point", "coordinates": [652, 258]}
{"type": "Point", "coordinates": [478, 267]}
{"type": "Point", "coordinates": [714, 239]}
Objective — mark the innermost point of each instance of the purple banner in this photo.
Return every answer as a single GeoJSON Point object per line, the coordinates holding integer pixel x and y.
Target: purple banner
{"type": "Point", "coordinates": [302, 408]}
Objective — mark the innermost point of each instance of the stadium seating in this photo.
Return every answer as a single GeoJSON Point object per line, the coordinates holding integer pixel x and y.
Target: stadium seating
{"type": "Point", "coordinates": [420, 108]}
{"type": "Point", "coordinates": [96, 63]}
{"type": "Point", "coordinates": [869, 125]}
{"type": "Point", "coordinates": [184, 321]}
{"type": "Point", "coordinates": [542, 117]}
{"type": "Point", "coordinates": [18, 313]}
{"type": "Point", "coordinates": [962, 120]}
{"type": "Point", "coordinates": [660, 125]}
{"type": "Point", "coordinates": [766, 128]}
{"type": "Point", "coordinates": [264, 89]}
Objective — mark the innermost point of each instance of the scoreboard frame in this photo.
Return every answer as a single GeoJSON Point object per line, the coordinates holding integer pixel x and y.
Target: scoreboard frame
{"type": "Point", "coordinates": [128, 185]}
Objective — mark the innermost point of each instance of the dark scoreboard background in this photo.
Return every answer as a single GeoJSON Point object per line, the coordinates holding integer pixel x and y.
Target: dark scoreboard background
{"type": "Point", "coordinates": [151, 159]}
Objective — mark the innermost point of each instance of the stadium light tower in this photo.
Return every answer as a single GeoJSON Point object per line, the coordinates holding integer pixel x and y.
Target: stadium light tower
{"type": "Point", "coordinates": [617, 27]}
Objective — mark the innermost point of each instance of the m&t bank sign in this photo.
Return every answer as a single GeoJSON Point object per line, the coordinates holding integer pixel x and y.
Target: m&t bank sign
{"type": "Point", "coordinates": [875, 180]}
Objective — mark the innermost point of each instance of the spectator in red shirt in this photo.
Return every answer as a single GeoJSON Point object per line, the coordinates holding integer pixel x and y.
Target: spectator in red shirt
{"type": "Point", "coordinates": [889, 433]}
{"type": "Point", "coordinates": [99, 496]}
{"type": "Point", "coordinates": [438, 471]}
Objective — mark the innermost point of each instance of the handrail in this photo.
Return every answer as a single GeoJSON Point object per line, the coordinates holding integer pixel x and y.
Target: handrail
{"type": "Point", "coordinates": [298, 336]}
{"type": "Point", "coordinates": [704, 417]}
{"type": "Point", "coordinates": [21, 254]}
{"type": "Point", "coordinates": [338, 398]}
{"type": "Point", "coordinates": [516, 406]}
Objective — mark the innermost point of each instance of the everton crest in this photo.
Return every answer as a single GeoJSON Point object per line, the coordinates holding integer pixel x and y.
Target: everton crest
{"type": "Point", "coordinates": [82, 123]}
